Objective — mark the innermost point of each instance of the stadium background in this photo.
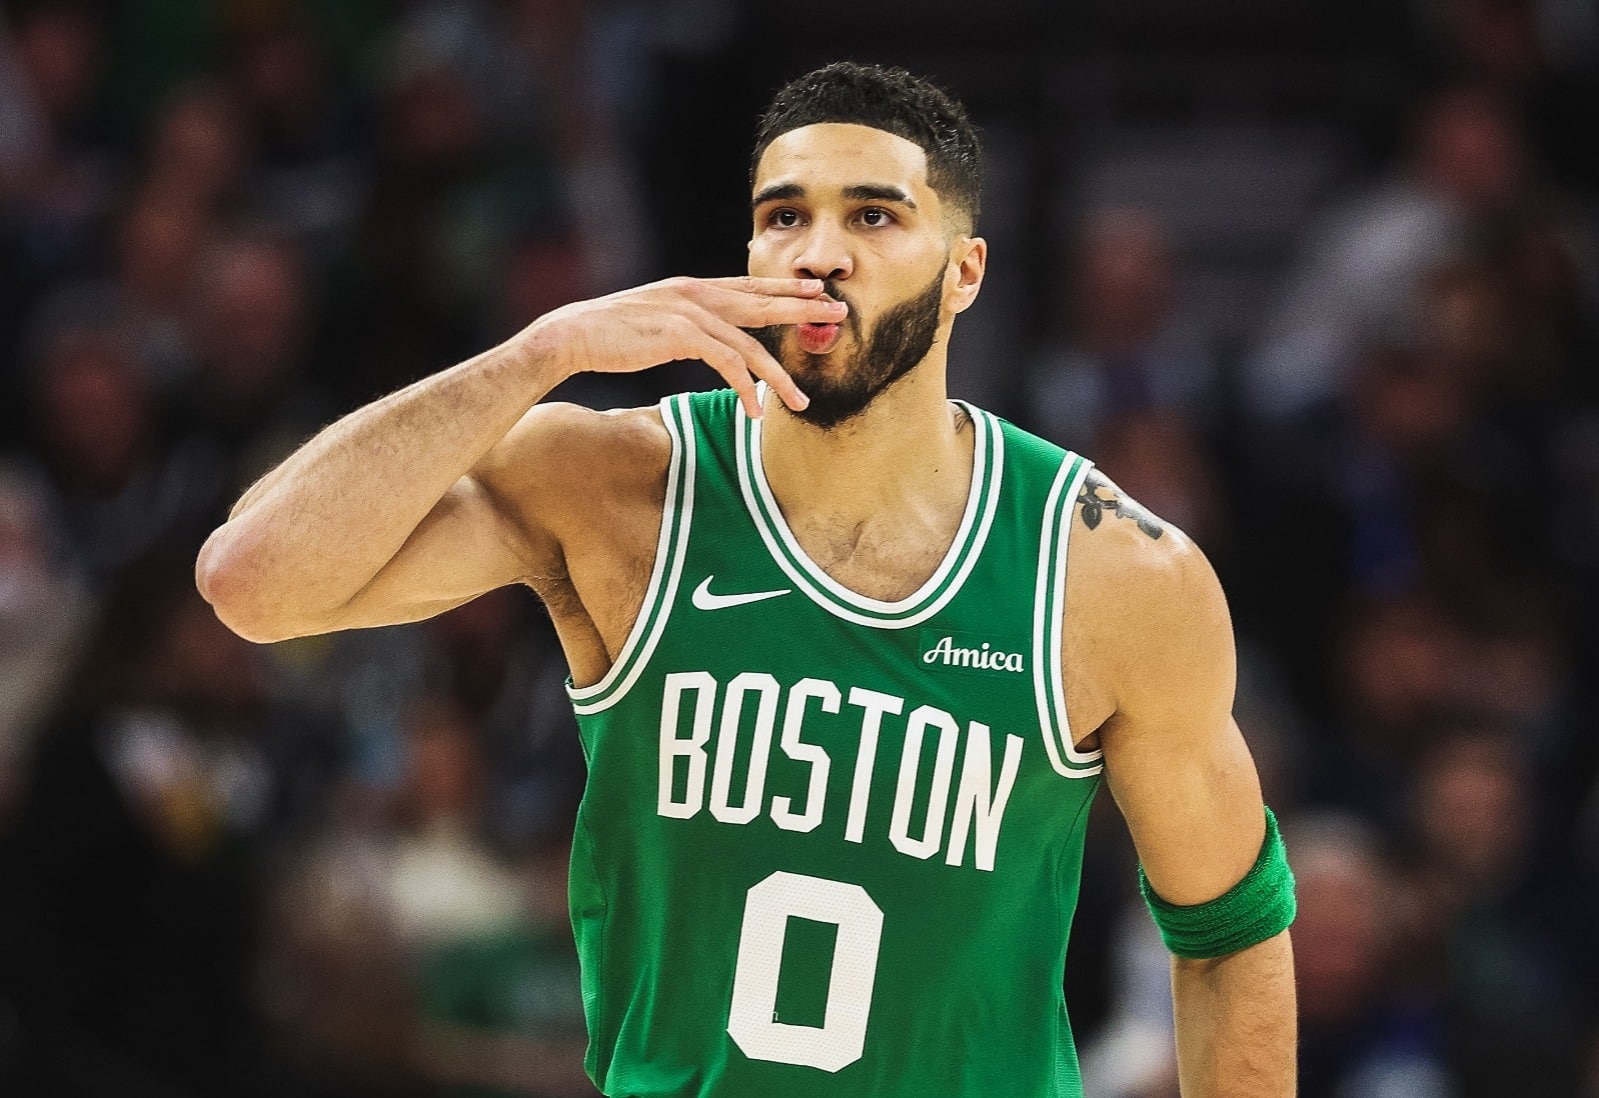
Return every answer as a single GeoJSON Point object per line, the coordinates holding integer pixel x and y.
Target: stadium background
{"type": "Point", "coordinates": [1316, 281]}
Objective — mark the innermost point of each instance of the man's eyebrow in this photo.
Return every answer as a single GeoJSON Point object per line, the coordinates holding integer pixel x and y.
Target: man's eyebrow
{"type": "Point", "coordinates": [777, 192]}
{"type": "Point", "coordinates": [881, 192]}
{"type": "Point", "coordinates": [857, 192]}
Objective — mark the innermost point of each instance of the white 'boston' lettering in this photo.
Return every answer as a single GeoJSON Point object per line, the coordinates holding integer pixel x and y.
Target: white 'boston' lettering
{"type": "Point", "coordinates": [977, 801]}
{"type": "Point", "coordinates": [760, 746]}
{"type": "Point", "coordinates": [876, 705]}
{"type": "Point", "coordinates": [673, 747]}
{"type": "Point", "coordinates": [910, 765]}
{"type": "Point", "coordinates": [985, 657]}
{"type": "Point", "coordinates": [816, 795]}
{"type": "Point", "coordinates": [974, 814]}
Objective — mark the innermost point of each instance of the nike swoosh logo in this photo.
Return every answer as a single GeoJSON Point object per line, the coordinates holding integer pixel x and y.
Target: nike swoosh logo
{"type": "Point", "coordinates": [704, 600]}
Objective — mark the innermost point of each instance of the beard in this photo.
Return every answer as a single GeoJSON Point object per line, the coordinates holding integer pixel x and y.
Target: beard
{"type": "Point", "coordinates": [898, 341]}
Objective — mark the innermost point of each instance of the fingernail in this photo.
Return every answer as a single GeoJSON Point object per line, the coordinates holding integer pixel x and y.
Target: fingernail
{"type": "Point", "coordinates": [803, 401]}
{"type": "Point", "coordinates": [811, 285]}
{"type": "Point", "coordinates": [838, 306]}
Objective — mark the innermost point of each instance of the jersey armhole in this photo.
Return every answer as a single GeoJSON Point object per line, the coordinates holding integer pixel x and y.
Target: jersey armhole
{"type": "Point", "coordinates": [670, 549]}
{"type": "Point", "coordinates": [1049, 613]}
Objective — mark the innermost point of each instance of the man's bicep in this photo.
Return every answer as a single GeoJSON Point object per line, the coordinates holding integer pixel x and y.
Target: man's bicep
{"type": "Point", "coordinates": [464, 547]}
{"type": "Point", "coordinates": [1194, 812]}
{"type": "Point", "coordinates": [1175, 760]}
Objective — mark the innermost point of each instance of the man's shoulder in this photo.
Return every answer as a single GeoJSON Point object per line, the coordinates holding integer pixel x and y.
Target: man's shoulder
{"type": "Point", "coordinates": [1130, 568]}
{"type": "Point", "coordinates": [1143, 604]}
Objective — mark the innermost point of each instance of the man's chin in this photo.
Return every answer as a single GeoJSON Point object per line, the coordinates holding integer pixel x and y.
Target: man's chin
{"type": "Point", "coordinates": [800, 364]}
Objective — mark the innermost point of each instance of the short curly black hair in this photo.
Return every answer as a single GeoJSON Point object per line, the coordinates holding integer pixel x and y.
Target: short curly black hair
{"type": "Point", "coordinates": [888, 99]}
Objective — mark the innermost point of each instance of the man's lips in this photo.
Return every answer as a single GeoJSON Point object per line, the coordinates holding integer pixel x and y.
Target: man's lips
{"type": "Point", "coordinates": [817, 339]}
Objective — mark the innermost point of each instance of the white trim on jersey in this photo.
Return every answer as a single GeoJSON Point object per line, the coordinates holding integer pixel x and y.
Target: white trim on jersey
{"type": "Point", "coordinates": [671, 548]}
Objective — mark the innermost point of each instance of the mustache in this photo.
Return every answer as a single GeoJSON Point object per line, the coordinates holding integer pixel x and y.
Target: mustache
{"type": "Point", "coordinates": [771, 336]}
{"type": "Point", "coordinates": [830, 288]}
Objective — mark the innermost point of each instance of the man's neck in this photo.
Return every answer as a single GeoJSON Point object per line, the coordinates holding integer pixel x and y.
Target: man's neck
{"type": "Point", "coordinates": [905, 461]}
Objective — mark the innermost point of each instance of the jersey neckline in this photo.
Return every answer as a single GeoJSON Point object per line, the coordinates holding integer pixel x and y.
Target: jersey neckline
{"type": "Point", "coordinates": [982, 499]}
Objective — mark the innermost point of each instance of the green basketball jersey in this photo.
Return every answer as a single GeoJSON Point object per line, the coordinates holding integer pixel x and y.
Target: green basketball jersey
{"type": "Point", "coordinates": [831, 845]}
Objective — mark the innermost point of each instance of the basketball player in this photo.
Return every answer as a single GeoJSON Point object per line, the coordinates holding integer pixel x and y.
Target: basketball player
{"type": "Point", "coordinates": [844, 693]}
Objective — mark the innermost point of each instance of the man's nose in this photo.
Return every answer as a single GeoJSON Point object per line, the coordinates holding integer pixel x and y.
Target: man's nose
{"type": "Point", "coordinates": [824, 254]}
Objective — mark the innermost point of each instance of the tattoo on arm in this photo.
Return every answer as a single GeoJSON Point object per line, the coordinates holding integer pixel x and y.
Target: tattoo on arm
{"type": "Point", "coordinates": [1100, 495]}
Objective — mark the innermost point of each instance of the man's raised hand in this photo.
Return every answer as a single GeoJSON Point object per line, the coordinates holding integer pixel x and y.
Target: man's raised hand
{"type": "Point", "coordinates": [689, 318]}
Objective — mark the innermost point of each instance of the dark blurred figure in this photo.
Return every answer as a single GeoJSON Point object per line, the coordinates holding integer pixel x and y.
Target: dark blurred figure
{"type": "Point", "coordinates": [1542, 55]}
{"type": "Point", "coordinates": [1412, 482]}
{"type": "Point", "coordinates": [135, 852]}
{"type": "Point", "coordinates": [1363, 1031]}
{"type": "Point", "coordinates": [502, 1010]}
{"type": "Point", "coordinates": [1497, 936]}
{"type": "Point", "coordinates": [44, 615]}
{"type": "Point", "coordinates": [51, 168]}
{"type": "Point", "coordinates": [402, 946]}
{"type": "Point", "coordinates": [199, 151]}
{"type": "Point", "coordinates": [1123, 355]}
{"type": "Point", "coordinates": [306, 135]}
{"type": "Point", "coordinates": [158, 246]}
{"type": "Point", "coordinates": [54, 173]}
{"type": "Point", "coordinates": [1400, 667]}
{"type": "Point", "coordinates": [399, 318]}
{"type": "Point", "coordinates": [119, 493]}
{"type": "Point", "coordinates": [251, 398]}
{"type": "Point", "coordinates": [1365, 262]}
{"type": "Point", "coordinates": [498, 659]}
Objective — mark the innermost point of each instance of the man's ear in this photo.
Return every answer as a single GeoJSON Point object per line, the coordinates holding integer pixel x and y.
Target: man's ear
{"type": "Point", "coordinates": [969, 257]}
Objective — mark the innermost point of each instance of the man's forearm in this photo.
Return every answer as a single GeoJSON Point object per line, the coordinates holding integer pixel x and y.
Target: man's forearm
{"type": "Point", "coordinates": [1237, 1026]}
{"type": "Point", "coordinates": [317, 528]}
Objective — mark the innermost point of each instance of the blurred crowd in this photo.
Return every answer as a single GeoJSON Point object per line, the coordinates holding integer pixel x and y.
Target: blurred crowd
{"type": "Point", "coordinates": [335, 867]}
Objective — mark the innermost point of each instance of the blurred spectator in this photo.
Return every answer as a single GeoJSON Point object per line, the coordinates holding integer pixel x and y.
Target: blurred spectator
{"type": "Point", "coordinates": [1123, 356]}
{"type": "Point", "coordinates": [118, 494]}
{"type": "Point", "coordinates": [1494, 928]}
{"type": "Point", "coordinates": [158, 248]}
{"type": "Point", "coordinates": [502, 1011]}
{"type": "Point", "coordinates": [306, 175]}
{"type": "Point", "coordinates": [44, 612]}
{"type": "Point", "coordinates": [499, 661]}
{"type": "Point", "coordinates": [1538, 54]}
{"type": "Point", "coordinates": [199, 152]}
{"type": "Point", "coordinates": [1362, 1030]}
{"type": "Point", "coordinates": [442, 882]}
{"type": "Point", "coordinates": [334, 992]}
{"type": "Point", "coordinates": [250, 397]}
{"type": "Point", "coordinates": [1135, 1054]}
{"type": "Point", "coordinates": [1397, 487]}
{"type": "Point", "coordinates": [135, 851]}
{"type": "Point", "coordinates": [1365, 261]}
{"type": "Point", "coordinates": [54, 175]}
{"type": "Point", "coordinates": [406, 896]}
{"type": "Point", "coordinates": [52, 70]}
{"type": "Point", "coordinates": [1401, 665]}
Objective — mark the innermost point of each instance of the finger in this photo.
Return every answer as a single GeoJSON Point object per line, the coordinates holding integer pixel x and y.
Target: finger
{"type": "Point", "coordinates": [764, 310]}
{"type": "Point", "coordinates": [758, 361]}
{"type": "Point", "coordinates": [777, 287]}
{"type": "Point", "coordinates": [733, 367]}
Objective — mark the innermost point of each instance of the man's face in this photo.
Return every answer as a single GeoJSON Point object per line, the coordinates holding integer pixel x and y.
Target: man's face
{"type": "Point", "coordinates": [851, 205]}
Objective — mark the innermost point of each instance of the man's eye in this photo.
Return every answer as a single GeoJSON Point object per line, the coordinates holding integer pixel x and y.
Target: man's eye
{"type": "Point", "coordinates": [784, 219]}
{"type": "Point", "coordinates": [874, 216]}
